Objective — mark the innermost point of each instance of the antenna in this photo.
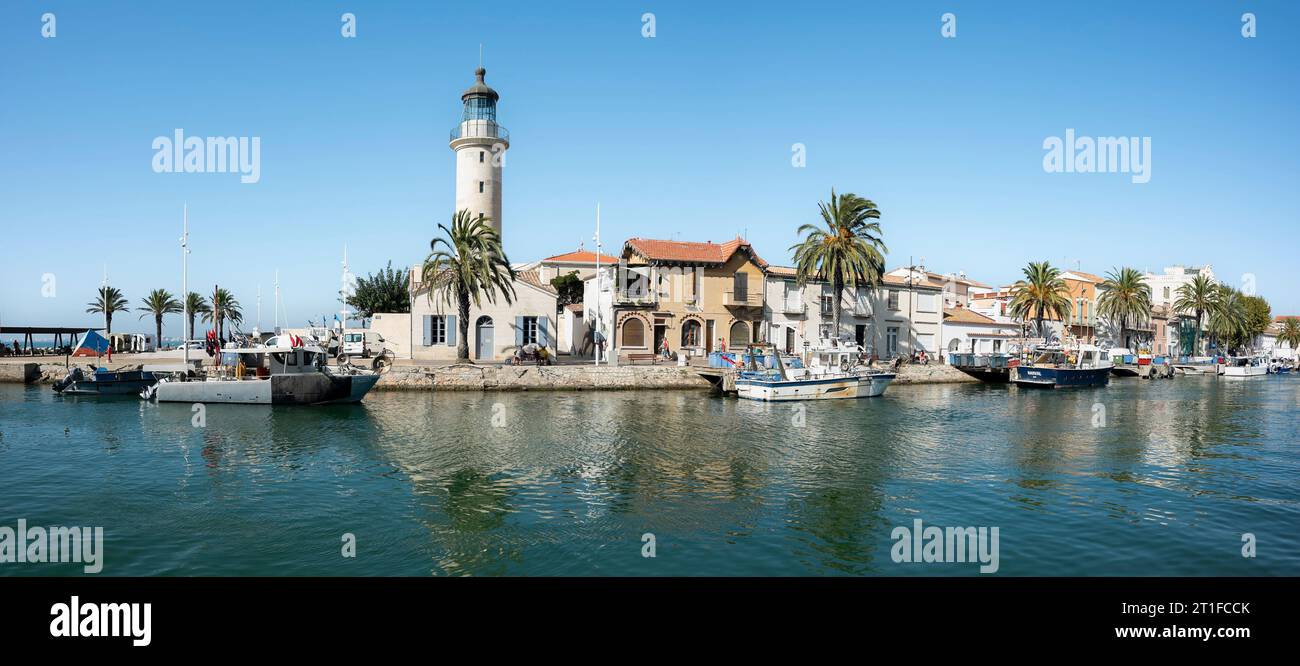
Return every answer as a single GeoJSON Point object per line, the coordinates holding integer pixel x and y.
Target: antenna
{"type": "Point", "coordinates": [480, 55]}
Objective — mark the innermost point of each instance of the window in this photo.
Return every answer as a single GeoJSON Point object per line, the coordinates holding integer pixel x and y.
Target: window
{"type": "Point", "coordinates": [828, 305]}
{"type": "Point", "coordinates": [633, 333]}
{"type": "Point", "coordinates": [893, 299]}
{"type": "Point", "coordinates": [437, 331]}
{"type": "Point", "coordinates": [480, 187]}
{"type": "Point", "coordinates": [740, 287]}
{"type": "Point", "coordinates": [891, 340]}
{"type": "Point", "coordinates": [1166, 293]}
{"type": "Point", "coordinates": [530, 330]}
{"type": "Point", "coordinates": [480, 157]}
{"type": "Point", "coordinates": [824, 331]}
{"type": "Point", "coordinates": [927, 302]}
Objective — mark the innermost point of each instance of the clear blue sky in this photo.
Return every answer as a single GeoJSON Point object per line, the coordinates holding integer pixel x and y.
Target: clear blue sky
{"type": "Point", "coordinates": [686, 135]}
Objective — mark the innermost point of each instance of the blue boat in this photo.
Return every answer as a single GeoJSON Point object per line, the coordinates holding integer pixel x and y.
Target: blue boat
{"type": "Point", "coordinates": [1057, 367]}
{"type": "Point", "coordinates": [105, 382]}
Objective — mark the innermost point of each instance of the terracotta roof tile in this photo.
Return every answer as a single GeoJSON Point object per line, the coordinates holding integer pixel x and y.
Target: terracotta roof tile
{"type": "Point", "coordinates": [581, 257]}
{"type": "Point", "coordinates": [964, 316]}
{"type": "Point", "coordinates": [691, 252]}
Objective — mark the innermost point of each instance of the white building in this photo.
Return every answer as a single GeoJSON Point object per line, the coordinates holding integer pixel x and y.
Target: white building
{"type": "Point", "coordinates": [900, 316]}
{"type": "Point", "coordinates": [968, 331]}
{"type": "Point", "coordinates": [480, 144]}
{"type": "Point", "coordinates": [1164, 286]}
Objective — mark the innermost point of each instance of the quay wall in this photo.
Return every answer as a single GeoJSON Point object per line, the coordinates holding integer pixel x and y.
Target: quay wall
{"type": "Point", "coordinates": [468, 377]}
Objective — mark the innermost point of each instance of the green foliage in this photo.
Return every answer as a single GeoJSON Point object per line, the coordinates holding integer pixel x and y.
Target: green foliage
{"type": "Point", "coordinates": [569, 287]}
{"type": "Point", "coordinates": [467, 264]}
{"type": "Point", "coordinates": [385, 291]}
{"type": "Point", "coordinates": [109, 301]}
{"type": "Point", "coordinates": [848, 252]}
{"type": "Point", "coordinates": [1043, 293]}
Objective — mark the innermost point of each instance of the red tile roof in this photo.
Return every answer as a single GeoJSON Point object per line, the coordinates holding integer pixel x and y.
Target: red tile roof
{"type": "Point", "coordinates": [690, 252]}
{"type": "Point", "coordinates": [964, 316]}
{"type": "Point", "coordinates": [580, 257]}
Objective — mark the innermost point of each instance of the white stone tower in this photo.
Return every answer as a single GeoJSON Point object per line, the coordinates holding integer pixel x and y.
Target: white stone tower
{"type": "Point", "coordinates": [480, 144]}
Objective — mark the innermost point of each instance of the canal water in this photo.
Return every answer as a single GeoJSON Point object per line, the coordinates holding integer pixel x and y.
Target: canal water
{"type": "Point", "coordinates": [1140, 478]}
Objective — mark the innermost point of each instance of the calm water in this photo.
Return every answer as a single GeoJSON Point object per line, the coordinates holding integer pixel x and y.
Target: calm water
{"type": "Point", "coordinates": [570, 481]}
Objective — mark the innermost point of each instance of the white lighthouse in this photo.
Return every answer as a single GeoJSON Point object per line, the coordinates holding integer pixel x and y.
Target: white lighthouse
{"type": "Point", "coordinates": [480, 144]}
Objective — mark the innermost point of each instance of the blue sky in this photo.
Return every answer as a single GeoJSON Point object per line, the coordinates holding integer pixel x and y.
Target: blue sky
{"type": "Point", "coordinates": [687, 135]}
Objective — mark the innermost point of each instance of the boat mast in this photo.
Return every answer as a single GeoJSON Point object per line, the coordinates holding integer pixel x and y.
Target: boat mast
{"type": "Point", "coordinates": [185, 284]}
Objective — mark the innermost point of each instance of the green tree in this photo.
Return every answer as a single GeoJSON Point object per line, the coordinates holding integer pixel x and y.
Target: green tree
{"type": "Point", "coordinates": [109, 301]}
{"type": "Point", "coordinates": [195, 305]}
{"type": "Point", "coordinates": [159, 302]}
{"type": "Point", "coordinates": [224, 308]}
{"type": "Point", "coordinates": [467, 265]}
{"type": "Point", "coordinates": [1125, 298]}
{"type": "Point", "coordinates": [1043, 293]}
{"type": "Point", "coordinates": [1227, 319]}
{"type": "Point", "coordinates": [1197, 297]}
{"type": "Point", "coordinates": [385, 291]}
{"type": "Point", "coordinates": [569, 287]}
{"type": "Point", "coordinates": [848, 252]}
{"type": "Point", "coordinates": [1259, 315]}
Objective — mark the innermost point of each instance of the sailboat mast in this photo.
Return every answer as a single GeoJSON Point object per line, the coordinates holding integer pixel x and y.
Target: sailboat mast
{"type": "Point", "coordinates": [185, 284]}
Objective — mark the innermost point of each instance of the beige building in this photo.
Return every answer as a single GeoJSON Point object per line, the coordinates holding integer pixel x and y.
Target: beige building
{"type": "Point", "coordinates": [698, 297]}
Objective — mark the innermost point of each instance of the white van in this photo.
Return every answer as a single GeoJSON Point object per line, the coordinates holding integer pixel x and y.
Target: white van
{"type": "Point", "coordinates": [362, 343]}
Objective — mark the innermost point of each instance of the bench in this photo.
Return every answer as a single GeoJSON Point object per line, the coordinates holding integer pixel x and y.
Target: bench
{"type": "Point", "coordinates": [633, 358]}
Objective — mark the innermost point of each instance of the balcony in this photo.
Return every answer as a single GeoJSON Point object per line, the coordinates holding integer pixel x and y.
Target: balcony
{"type": "Point", "coordinates": [742, 299]}
{"type": "Point", "coordinates": [635, 299]}
{"type": "Point", "coordinates": [794, 307]}
{"type": "Point", "coordinates": [480, 129]}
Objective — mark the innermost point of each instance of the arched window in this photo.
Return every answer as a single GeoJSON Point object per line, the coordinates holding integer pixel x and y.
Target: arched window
{"type": "Point", "coordinates": [633, 333]}
{"type": "Point", "coordinates": [691, 333]}
{"type": "Point", "coordinates": [739, 335]}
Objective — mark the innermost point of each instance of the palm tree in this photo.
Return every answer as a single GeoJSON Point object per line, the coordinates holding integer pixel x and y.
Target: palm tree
{"type": "Point", "coordinates": [467, 264]}
{"type": "Point", "coordinates": [1290, 333]}
{"type": "Point", "coordinates": [1126, 297]}
{"type": "Point", "coordinates": [849, 252]}
{"type": "Point", "coordinates": [1041, 294]}
{"type": "Point", "coordinates": [159, 302]}
{"type": "Point", "coordinates": [224, 308]}
{"type": "Point", "coordinates": [1197, 296]}
{"type": "Point", "coordinates": [1228, 324]}
{"type": "Point", "coordinates": [195, 304]}
{"type": "Point", "coordinates": [109, 301]}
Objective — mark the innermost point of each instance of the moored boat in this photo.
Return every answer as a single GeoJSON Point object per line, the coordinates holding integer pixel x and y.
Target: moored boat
{"type": "Point", "coordinates": [993, 368]}
{"type": "Point", "coordinates": [101, 381]}
{"type": "Point", "coordinates": [1058, 367]}
{"type": "Point", "coordinates": [833, 372]}
{"type": "Point", "coordinates": [1238, 367]}
{"type": "Point", "coordinates": [286, 371]}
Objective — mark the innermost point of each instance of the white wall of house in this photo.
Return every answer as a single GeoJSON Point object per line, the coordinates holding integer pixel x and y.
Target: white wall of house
{"type": "Point", "coordinates": [969, 338]}
{"type": "Point", "coordinates": [1164, 285]}
{"type": "Point", "coordinates": [435, 328]}
{"type": "Point", "coordinates": [885, 327]}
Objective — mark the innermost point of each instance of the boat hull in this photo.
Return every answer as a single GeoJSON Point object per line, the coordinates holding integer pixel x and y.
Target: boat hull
{"type": "Point", "coordinates": [1059, 377]}
{"type": "Point", "coordinates": [813, 389]}
{"type": "Point", "coordinates": [304, 389]}
{"type": "Point", "coordinates": [1231, 372]}
{"type": "Point", "coordinates": [116, 383]}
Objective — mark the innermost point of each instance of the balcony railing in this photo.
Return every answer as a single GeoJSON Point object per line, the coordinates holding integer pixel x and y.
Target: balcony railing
{"type": "Point", "coordinates": [480, 129]}
{"type": "Point", "coordinates": [794, 307]}
{"type": "Point", "coordinates": [744, 298]}
{"type": "Point", "coordinates": [634, 298]}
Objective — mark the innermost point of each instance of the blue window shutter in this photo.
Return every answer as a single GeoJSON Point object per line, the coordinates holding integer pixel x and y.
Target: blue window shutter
{"type": "Point", "coordinates": [519, 331]}
{"type": "Point", "coordinates": [451, 330]}
{"type": "Point", "coordinates": [428, 330]}
{"type": "Point", "coordinates": [541, 332]}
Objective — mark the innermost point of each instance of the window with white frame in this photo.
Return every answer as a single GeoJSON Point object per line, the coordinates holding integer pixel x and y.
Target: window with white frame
{"type": "Point", "coordinates": [530, 330]}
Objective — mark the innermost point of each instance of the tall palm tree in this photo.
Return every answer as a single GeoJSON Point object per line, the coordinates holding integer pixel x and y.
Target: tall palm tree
{"type": "Point", "coordinates": [467, 264]}
{"type": "Point", "coordinates": [224, 308]}
{"type": "Point", "coordinates": [1227, 323]}
{"type": "Point", "coordinates": [1043, 293]}
{"type": "Point", "coordinates": [1125, 297]}
{"type": "Point", "coordinates": [1198, 297]}
{"type": "Point", "coordinates": [109, 301]}
{"type": "Point", "coordinates": [849, 252]}
{"type": "Point", "coordinates": [159, 302]}
{"type": "Point", "coordinates": [1290, 333]}
{"type": "Point", "coordinates": [195, 304]}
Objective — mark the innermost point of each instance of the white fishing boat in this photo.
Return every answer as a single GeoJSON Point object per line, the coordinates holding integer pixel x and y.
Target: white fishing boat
{"type": "Point", "coordinates": [285, 371]}
{"type": "Point", "coordinates": [1238, 367]}
{"type": "Point", "coordinates": [834, 371]}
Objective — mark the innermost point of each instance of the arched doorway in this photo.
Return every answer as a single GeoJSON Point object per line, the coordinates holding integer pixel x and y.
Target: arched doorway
{"type": "Point", "coordinates": [634, 333]}
{"type": "Point", "coordinates": [483, 336]}
{"type": "Point", "coordinates": [692, 335]}
{"type": "Point", "coordinates": [739, 336]}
